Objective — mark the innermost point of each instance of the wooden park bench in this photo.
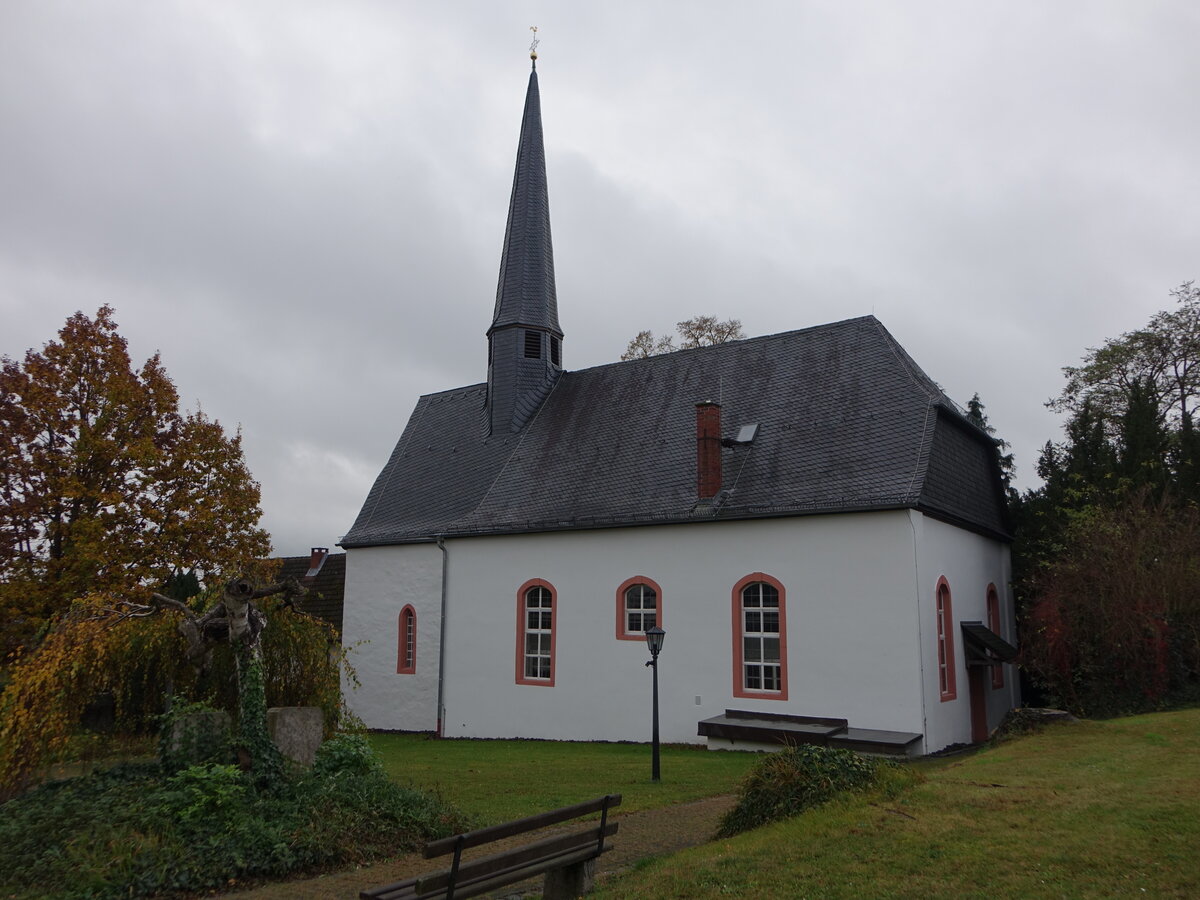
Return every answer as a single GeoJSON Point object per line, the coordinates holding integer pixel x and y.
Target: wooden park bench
{"type": "Point", "coordinates": [568, 860]}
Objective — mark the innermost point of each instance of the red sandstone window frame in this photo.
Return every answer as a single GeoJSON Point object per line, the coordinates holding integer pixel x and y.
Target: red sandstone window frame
{"type": "Point", "coordinates": [944, 616]}
{"type": "Point", "coordinates": [522, 631]}
{"type": "Point", "coordinates": [993, 615]}
{"type": "Point", "coordinates": [623, 632]}
{"type": "Point", "coordinates": [738, 631]}
{"type": "Point", "coordinates": [406, 644]}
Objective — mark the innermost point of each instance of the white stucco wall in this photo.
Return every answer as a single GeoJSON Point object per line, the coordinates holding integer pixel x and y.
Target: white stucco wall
{"type": "Point", "coordinates": [380, 581]}
{"type": "Point", "coordinates": [860, 610]}
{"type": "Point", "coordinates": [969, 563]}
{"type": "Point", "coordinates": [851, 620]}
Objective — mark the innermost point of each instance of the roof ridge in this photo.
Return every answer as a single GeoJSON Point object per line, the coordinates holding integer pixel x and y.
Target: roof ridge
{"type": "Point", "coordinates": [740, 341]}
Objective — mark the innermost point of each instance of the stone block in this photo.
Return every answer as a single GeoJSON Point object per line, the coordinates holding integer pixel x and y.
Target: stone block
{"type": "Point", "coordinates": [297, 731]}
{"type": "Point", "coordinates": [198, 737]}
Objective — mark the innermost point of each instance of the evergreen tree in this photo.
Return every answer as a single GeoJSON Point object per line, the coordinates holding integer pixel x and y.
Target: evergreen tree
{"type": "Point", "coordinates": [977, 416]}
{"type": "Point", "coordinates": [1142, 442]}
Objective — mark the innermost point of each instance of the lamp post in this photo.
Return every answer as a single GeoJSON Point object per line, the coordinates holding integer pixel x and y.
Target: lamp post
{"type": "Point", "coordinates": [654, 640]}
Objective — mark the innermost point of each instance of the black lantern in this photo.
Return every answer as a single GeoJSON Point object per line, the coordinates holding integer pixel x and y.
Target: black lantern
{"type": "Point", "coordinates": [654, 640]}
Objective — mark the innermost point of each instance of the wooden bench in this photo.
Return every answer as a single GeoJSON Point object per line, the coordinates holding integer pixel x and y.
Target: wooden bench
{"type": "Point", "coordinates": [567, 860]}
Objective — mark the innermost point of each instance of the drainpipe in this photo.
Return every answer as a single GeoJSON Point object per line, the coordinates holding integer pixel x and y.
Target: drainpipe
{"type": "Point", "coordinates": [441, 695]}
{"type": "Point", "coordinates": [912, 526]}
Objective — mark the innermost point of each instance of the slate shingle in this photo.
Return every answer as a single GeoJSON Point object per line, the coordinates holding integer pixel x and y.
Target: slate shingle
{"type": "Point", "coordinates": [847, 421]}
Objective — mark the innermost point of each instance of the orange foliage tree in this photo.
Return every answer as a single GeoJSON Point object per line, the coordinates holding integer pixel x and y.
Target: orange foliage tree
{"type": "Point", "coordinates": [105, 486]}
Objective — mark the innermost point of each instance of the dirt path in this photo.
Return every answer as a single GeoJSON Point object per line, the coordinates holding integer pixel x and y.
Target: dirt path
{"type": "Point", "coordinates": [652, 832]}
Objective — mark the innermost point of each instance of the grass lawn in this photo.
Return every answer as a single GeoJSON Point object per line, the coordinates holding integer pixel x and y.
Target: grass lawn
{"type": "Point", "coordinates": [500, 780]}
{"type": "Point", "coordinates": [1097, 809]}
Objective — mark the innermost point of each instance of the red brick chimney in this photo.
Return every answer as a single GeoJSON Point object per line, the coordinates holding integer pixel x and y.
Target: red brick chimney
{"type": "Point", "coordinates": [708, 449]}
{"type": "Point", "coordinates": [315, 561]}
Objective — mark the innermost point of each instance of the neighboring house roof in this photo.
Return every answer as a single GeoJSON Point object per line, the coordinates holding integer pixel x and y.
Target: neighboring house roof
{"type": "Point", "coordinates": [326, 589]}
{"type": "Point", "coordinates": [847, 422]}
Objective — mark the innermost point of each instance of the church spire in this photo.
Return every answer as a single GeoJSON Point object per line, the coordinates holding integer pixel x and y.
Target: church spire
{"type": "Point", "coordinates": [524, 340]}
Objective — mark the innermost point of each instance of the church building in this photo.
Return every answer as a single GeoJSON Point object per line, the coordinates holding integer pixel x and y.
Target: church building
{"type": "Point", "coordinates": [818, 529]}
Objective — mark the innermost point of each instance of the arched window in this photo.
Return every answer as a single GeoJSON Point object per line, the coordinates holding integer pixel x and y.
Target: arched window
{"type": "Point", "coordinates": [536, 616]}
{"type": "Point", "coordinates": [993, 614]}
{"type": "Point", "coordinates": [945, 641]}
{"type": "Point", "coordinates": [759, 638]}
{"type": "Point", "coordinates": [639, 606]}
{"type": "Point", "coordinates": [406, 645]}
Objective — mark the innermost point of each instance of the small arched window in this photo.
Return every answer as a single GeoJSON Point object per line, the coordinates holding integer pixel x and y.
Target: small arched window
{"type": "Point", "coordinates": [536, 619]}
{"type": "Point", "coordinates": [639, 606]}
{"type": "Point", "coordinates": [759, 638]}
{"type": "Point", "coordinates": [406, 652]}
{"type": "Point", "coordinates": [945, 641]}
{"type": "Point", "coordinates": [993, 614]}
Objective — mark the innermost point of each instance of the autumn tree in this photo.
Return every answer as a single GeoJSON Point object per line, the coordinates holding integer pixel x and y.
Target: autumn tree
{"type": "Point", "coordinates": [105, 486]}
{"type": "Point", "coordinates": [702, 331]}
{"type": "Point", "coordinates": [1115, 624]}
{"type": "Point", "coordinates": [1104, 560]}
{"type": "Point", "coordinates": [1163, 357]}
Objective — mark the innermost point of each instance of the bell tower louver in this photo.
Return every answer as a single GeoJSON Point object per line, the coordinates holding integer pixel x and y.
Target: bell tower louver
{"type": "Point", "coordinates": [525, 340]}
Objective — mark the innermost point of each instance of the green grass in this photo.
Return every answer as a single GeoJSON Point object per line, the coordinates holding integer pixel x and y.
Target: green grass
{"type": "Point", "coordinates": [500, 780]}
{"type": "Point", "coordinates": [1097, 809]}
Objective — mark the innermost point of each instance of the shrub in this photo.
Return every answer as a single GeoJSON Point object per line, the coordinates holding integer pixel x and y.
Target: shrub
{"type": "Point", "coordinates": [211, 792]}
{"type": "Point", "coordinates": [787, 783]}
{"type": "Point", "coordinates": [349, 753]}
{"type": "Point", "coordinates": [135, 832]}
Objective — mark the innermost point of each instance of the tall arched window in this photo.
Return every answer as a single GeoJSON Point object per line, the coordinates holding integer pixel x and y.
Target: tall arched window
{"type": "Point", "coordinates": [406, 644]}
{"type": "Point", "coordinates": [639, 606]}
{"type": "Point", "coordinates": [759, 638]}
{"type": "Point", "coordinates": [536, 620]}
{"type": "Point", "coordinates": [945, 641]}
{"type": "Point", "coordinates": [993, 614]}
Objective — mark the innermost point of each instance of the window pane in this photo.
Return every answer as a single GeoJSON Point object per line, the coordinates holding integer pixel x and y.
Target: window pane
{"type": "Point", "coordinates": [635, 622]}
{"type": "Point", "coordinates": [754, 622]}
{"type": "Point", "coordinates": [751, 649]}
{"type": "Point", "coordinates": [770, 649]}
{"type": "Point", "coordinates": [648, 619]}
{"type": "Point", "coordinates": [754, 677]}
{"type": "Point", "coordinates": [771, 678]}
{"type": "Point", "coordinates": [770, 596]}
{"type": "Point", "coordinates": [531, 667]}
{"type": "Point", "coordinates": [531, 643]}
{"type": "Point", "coordinates": [532, 621]}
{"type": "Point", "coordinates": [770, 622]}
{"type": "Point", "coordinates": [545, 621]}
{"type": "Point", "coordinates": [544, 670]}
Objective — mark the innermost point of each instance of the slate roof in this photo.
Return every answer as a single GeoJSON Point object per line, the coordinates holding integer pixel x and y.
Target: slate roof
{"type": "Point", "coordinates": [525, 294]}
{"type": "Point", "coordinates": [847, 421]}
{"type": "Point", "coordinates": [327, 589]}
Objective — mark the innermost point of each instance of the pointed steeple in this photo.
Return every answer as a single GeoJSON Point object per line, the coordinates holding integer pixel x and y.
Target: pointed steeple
{"type": "Point", "coordinates": [524, 341]}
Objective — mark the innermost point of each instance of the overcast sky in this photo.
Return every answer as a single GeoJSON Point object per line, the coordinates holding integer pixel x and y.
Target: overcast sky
{"type": "Point", "coordinates": [301, 204]}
